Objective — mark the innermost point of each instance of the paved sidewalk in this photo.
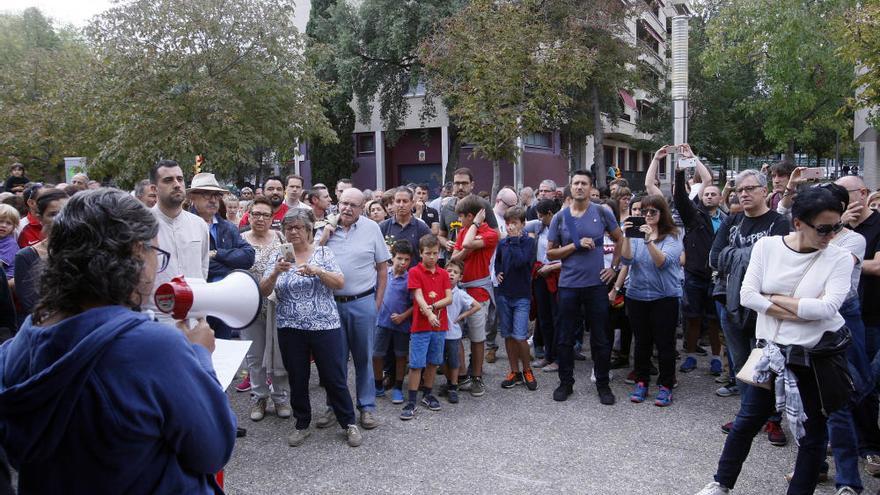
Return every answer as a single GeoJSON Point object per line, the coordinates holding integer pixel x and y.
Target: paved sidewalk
{"type": "Point", "coordinates": [515, 441]}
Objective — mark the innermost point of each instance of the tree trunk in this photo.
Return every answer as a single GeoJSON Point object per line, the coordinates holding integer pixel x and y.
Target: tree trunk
{"type": "Point", "coordinates": [454, 151]}
{"type": "Point", "coordinates": [496, 179]}
{"type": "Point", "coordinates": [598, 140]}
{"type": "Point", "coordinates": [789, 152]}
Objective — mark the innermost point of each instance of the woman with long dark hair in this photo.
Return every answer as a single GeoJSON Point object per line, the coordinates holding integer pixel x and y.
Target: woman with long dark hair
{"type": "Point", "coordinates": [85, 405]}
{"type": "Point", "coordinates": [796, 283]}
{"type": "Point", "coordinates": [652, 295]}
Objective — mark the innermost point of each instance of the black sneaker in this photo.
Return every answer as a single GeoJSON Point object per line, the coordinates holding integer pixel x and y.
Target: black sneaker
{"type": "Point", "coordinates": [701, 351]}
{"type": "Point", "coordinates": [431, 402]}
{"type": "Point", "coordinates": [452, 396]}
{"type": "Point", "coordinates": [619, 362]}
{"type": "Point", "coordinates": [562, 392]}
{"type": "Point", "coordinates": [512, 380]}
{"type": "Point", "coordinates": [409, 411]}
{"type": "Point", "coordinates": [606, 397]}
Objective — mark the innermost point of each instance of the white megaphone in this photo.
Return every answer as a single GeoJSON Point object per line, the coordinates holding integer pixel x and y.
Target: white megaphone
{"type": "Point", "coordinates": [235, 300]}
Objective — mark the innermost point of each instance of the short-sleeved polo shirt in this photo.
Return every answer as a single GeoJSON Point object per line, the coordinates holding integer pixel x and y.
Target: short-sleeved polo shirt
{"type": "Point", "coordinates": [434, 286]}
{"type": "Point", "coordinates": [357, 251]}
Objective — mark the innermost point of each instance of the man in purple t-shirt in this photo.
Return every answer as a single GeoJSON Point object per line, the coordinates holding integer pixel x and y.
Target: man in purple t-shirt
{"type": "Point", "coordinates": [573, 237]}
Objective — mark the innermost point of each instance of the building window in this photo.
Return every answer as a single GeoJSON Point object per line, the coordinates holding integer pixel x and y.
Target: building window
{"type": "Point", "coordinates": [539, 140]}
{"type": "Point", "coordinates": [366, 144]}
{"type": "Point", "coordinates": [646, 160]}
{"type": "Point", "coordinates": [621, 159]}
{"type": "Point", "coordinates": [608, 153]}
{"type": "Point", "coordinates": [417, 89]}
{"type": "Point", "coordinates": [633, 161]}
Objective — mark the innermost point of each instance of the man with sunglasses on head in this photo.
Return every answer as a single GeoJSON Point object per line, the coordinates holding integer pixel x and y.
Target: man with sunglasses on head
{"type": "Point", "coordinates": [504, 200]}
{"type": "Point", "coordinates": [183, 235]}
{"type": "Point", "coordinates": [547, 190]}
{"type": "Point", "coordinates": [729, 257]}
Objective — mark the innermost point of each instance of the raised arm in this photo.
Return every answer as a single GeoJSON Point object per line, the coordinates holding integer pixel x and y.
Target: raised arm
{"type": "Point", "coordinates": [651, 174]}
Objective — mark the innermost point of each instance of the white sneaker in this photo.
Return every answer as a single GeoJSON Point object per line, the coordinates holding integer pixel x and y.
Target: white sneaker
{"type": "Point", "coordinates": [713, 488]}
{"type": "Point", "coordinates": [593, 375]}
{"type": "Point", "coordinates": [353, 435]}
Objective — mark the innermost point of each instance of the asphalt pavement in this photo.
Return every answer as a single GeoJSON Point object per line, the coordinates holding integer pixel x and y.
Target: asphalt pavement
{"type": "Point", "coordinates": [515, 441]}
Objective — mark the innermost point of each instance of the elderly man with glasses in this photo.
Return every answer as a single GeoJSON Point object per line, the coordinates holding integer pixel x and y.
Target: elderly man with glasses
{"type": "Point", "coordinates": [547, 190]}
{"type": "Point", "coordinates": [504, 200]}
{"type": "Point", "coordinates": [360, 249]}
{"type": "Point", "coordinates": [729, 257]}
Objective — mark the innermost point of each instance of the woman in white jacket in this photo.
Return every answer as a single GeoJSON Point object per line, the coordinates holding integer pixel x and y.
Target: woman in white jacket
{"type": "Point", "coordinates": [796, 283]}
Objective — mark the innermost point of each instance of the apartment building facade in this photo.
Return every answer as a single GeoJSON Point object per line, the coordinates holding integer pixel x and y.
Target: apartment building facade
{"type": "Point", "coordinates": [421, 153]}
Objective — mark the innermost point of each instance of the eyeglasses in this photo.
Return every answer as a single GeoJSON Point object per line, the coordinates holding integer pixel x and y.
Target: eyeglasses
{"type": "Point", "coordinates": [747, 189]}
{"type": "Point", "coordinates": [346, 204]}
{"type": "Point", "coordinates": [650, 212]}
{"type": "Point", "coordinates": [465, 183]}
{"type": "Point", "coordinates": [826, 228]}
{"type": "Point", "coordinates": [257, 214]}
{"type": "Point", "coordinates": [507, 205]}
{"type": "Point", "coordinates": [163, 256]}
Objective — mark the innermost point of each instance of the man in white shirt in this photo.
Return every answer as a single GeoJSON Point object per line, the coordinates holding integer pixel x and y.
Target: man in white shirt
{"type": "Point", "coordinates": [294, 192]}
{"type": "Point", "coordinates": [183, 235]}
{"type": "Point", "coordinates": [504, 200]}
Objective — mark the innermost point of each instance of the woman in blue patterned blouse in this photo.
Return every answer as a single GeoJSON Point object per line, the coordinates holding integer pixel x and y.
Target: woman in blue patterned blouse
{"type": "Point", "coordinates": [308, 324]}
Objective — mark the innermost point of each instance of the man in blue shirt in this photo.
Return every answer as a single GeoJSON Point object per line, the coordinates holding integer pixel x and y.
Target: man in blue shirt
{"type": "Point", "coordinates": [574, 234]}
{"type": "Point", "coordinates": [363, 256]}
{"type": "Point", "coordinates": [403, 225]}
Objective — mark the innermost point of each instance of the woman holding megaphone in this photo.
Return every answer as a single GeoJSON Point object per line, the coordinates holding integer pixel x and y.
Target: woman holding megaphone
{"type": "Point", "coordinates": [303, 278]}
{"type": "Point", "coordinates": [85, 405]}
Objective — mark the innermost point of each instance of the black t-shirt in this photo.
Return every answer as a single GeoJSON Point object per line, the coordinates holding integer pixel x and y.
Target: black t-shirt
{"type": "Point", "coordinates": [13, 182]}
{"type": "Point", "coordinates": [869, 285]}
{"type": "Point", "coordinates": [742, 231]}
{"type": "Point", "coordinates": [430, 216]}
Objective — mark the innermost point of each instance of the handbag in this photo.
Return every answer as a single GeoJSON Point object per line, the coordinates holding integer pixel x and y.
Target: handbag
{"type": "Point", "coordinates": [747, 373]}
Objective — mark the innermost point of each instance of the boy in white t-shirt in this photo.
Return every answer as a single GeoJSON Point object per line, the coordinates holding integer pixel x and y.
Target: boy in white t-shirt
{"type": "Point", "coordinates": [463, 305]}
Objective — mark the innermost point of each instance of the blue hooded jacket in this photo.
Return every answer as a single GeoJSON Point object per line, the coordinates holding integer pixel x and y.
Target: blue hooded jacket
{"type": "Point", "coordinates": [108, 401]}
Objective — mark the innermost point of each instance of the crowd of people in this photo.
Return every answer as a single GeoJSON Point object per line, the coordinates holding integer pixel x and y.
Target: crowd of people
{"type": "Point", "coordinates": [774, 273]}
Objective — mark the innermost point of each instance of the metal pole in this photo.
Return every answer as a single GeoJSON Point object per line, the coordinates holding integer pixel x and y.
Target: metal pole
{"type": "Point", "coordinates": [679, 85]}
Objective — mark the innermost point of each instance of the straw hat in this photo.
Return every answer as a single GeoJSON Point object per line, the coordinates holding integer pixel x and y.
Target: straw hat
{"type": "Point", "coordinates": [205, 182]}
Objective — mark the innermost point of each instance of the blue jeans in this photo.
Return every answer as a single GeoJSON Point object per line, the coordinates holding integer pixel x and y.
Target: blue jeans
{"type": "Point", "coordinates": [358, 323]}
{"type": "Point", "coordinates": [844, 447]}
{"type": "Point", "coordinates": [513, 316]}
{"type": "Point", "coordinates": [757, 405]}
{"type": "Point", "coordinates": [865, 413]}
{"type": "Point", "coordinates": [578, 305]}
{"type": "Point", "coordinates": [331, 359]}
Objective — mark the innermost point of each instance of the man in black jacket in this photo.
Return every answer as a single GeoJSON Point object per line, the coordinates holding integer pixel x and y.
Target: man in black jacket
{"type": "Point", "coordinates": [702, 218]}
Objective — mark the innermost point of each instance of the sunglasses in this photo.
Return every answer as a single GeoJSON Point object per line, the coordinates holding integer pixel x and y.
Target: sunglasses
{"type": "Point", "coordinates": [650, 212]}
{"type": "Point", "coordinates": [825, 229]}
{"type": "Point", "coordinates": [748, 189]}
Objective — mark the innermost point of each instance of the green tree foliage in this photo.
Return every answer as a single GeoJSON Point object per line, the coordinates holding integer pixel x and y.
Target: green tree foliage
{"type": "Point", "coordinates": [225, 79]}
{"type": "Point", "coordinates": [801, 79]}
{"type": "Point", "coordinates": [44, 72]}
{"type": "Point", "coordinates": [505, 72]}
{"type": "Point", "coordinates": [720, 123]}
{"type": "Point", "coordinates": [860, 44]}
{"type": "Point", "coordinates": [378, 43]}
{"type": "Point", "coordinates": [331, 159]}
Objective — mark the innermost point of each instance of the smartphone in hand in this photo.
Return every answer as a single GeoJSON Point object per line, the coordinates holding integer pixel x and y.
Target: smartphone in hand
{"type": "Point", "coordinates": [687, 163]}
{"type": "Point", "coordinates": [634, 232]}
{"type": "Point", "coordinates": [814, 173]}
{"type": "Point", "coordinates": [287, 252]}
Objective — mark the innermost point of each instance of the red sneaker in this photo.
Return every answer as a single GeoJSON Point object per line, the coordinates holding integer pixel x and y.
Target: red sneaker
{"type": "Point", "coordinates": [245, 384]}
{"type": "Point", "coordinates": [726, 427]}
{"type": "Point", "coordinates": [775, 434]}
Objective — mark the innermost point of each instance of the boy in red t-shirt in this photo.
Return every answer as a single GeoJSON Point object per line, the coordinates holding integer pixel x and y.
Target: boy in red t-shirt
{"type": "Point", "coordinates": [475, 247]}
{"type": "Point", "coordinates": [432, 292]}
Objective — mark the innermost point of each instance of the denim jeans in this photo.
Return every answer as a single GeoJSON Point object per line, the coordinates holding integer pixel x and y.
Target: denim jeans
{"type": "Point", "coordinates": [757, 405]}
{"type": "Point", "coordinates": [578, 305]}
{"type": "Point", "coordinates": [844, 447]}
{"type": "Point", "coordinates": [740, 342]}
{"type": "Point", "coordinates": [256, 333]}
{"type": "Point", "coordinates": [547, 321]}
{"type": "Point", "coordinates": [331, 359]}
{"type": "Point", "coordinates": [358, 319]}
{"type": "Point", "coordinates": [865, 413]}
{"type": "Point", "coordinates": [513, 316]}
{"type": "Point", "coordinates": [653, 324]}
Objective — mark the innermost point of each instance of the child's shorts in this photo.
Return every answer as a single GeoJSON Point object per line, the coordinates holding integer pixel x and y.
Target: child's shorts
{"type": "Point", "coordinates": [426, 348]}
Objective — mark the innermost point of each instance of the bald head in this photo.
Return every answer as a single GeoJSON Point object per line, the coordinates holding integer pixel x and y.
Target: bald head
{"type": "Point", "coordinates": [855, 186]}
{"type": "Point", "coordinates": [505, 200]}
{"type": "Point", "coordinates": [351, 204]}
